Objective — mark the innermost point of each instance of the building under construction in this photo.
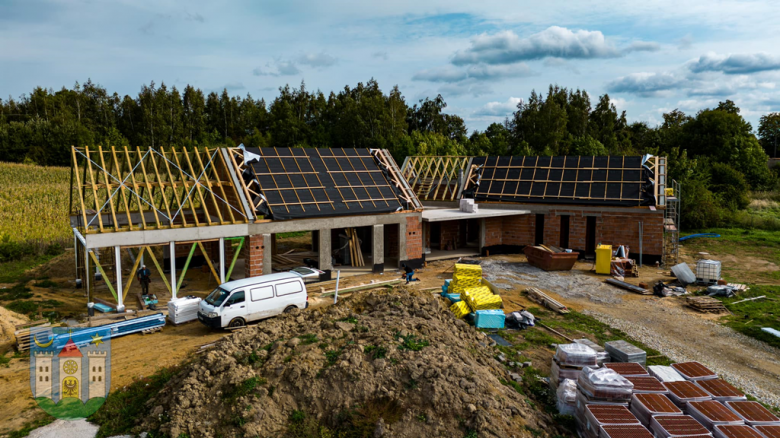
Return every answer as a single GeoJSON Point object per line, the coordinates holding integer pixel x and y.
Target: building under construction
{"type": "Point", "coordinates": [223, 209]}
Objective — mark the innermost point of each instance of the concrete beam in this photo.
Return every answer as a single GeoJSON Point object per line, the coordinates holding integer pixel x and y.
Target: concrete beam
{"type": "Point", "coordinates": [158, 237]}
{"type": "Point", "coordinates": [325, 249]}
{"type": "Point", "coordinates": [267, 254]}
{"type": "Point", "coordinates": [378, 246]}
{"type": "Point", "coordinates": [402, 241]}
{"type": "Point", "coordinates": [290, 226]}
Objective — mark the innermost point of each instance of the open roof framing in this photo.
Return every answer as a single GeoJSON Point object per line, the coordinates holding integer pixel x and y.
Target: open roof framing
{"type": "Point", "coordinates": [124, 189]}
{"type": "Point", "coordinates": [436, 178]}
{"type": "Point", "coordinates": [290, 183]}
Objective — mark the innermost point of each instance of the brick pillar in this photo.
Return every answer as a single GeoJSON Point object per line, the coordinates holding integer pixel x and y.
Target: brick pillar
{"type": "Point", "coordinates": [414, 248]}
{"type": "Point", "coordinates": [253, 264]}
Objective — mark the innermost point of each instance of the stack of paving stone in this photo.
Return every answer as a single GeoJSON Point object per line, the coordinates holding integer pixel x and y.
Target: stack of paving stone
{"type": "Point", "coordinates": [622, 351]}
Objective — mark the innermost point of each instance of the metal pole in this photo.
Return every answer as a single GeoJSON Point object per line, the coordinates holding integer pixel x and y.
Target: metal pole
{"type": "Point", "coordinates": [76, 253]}
{"type": "Point", "coordinates": [118, 259]}
{"type": "Point", "coordinates": [336, 295]}
{"type": "Point", "coordinates": [221, 259]}
{"type": "Point", "coordinates": [173, 269]}
{"type": "Point", "coordinates": [86, 270]}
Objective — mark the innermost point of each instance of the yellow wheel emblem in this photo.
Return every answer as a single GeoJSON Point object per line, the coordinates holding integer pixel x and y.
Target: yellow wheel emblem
{"type": "Point", "coordinates": [70, 367]}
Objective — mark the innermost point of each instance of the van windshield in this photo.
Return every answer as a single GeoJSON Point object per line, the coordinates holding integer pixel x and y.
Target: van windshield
{"type": "Point", "coordinates": [217, 296]}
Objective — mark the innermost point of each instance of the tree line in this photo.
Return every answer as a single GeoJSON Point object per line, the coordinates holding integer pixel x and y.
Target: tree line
{"type": "Point", "coordinates": [715, 153]}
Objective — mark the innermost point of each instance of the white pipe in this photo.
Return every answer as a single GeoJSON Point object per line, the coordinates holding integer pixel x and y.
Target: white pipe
{"type": "Point", "coordinates": [221, 259]}
{"type": "Point", "coordinates": [336, 295]}
{"type": "Point", "coordinates": [120, 307]}
{"type": "Point", "coordinates": [173, 269]}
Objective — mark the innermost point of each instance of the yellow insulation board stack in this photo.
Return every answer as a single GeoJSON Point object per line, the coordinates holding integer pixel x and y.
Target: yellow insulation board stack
{"type": "Point", "coordinates": [460, 309]}
{"type": "Point", "coordinates": [481, 298]}
{"type": "Point", "coordinates": [465, 276]}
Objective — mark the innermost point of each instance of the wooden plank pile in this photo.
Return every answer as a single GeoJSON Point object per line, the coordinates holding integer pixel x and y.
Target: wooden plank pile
{"type": "Point", "coordinates": [292, 259]}
{"type": "Point", "coordinates": [355, 254]}
{"type": "Point", "coordinates": [706, 304]}
{"type": "Point", "coordinates": [542, 298]}
{"type": "Point", "coordinates": [22, 333]}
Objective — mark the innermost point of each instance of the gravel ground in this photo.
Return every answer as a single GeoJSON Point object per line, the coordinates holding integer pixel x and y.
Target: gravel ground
{"type": "Point", "coordinates": [569, 284]}
{"type": "Point", "coordinates": [745, 362]}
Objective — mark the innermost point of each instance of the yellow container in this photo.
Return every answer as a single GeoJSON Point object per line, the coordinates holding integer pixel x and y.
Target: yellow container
{"type": "Point", "coordinates": [669, 191]}
{"type": "Point", "coordinates": [603, 259]}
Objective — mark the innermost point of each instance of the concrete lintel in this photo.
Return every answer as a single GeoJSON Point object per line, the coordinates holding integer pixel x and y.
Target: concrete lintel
{"type": "Point", "coordinates": [378, 244]}
{"type": "Point", "coordinates": [565, 213]}
{"type": "Point", "coordinates": [157, 237]}
{"type": "Point", "coordinates": [326, 260]}
{"type": "Point", "coordinates": [328, 223]}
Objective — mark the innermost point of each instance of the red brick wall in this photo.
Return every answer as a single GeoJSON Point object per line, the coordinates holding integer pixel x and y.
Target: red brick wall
{"type": "Point", "coordinates": [552, 229]}
{"type": "Point", "coordinates": [414, 248]}
{"type": "Point", "coordinates": [612, 228]}
{"type": "Point", "coordinates": [391, 240]}
{"type": "Point", "coordinates": [253, 265]}
{"type": "Point", "coordinates": [493, 231]}
{"type": "Point", "coordinates": [518, 230]}
{"type": "Point", "coordinates": [450, 233]}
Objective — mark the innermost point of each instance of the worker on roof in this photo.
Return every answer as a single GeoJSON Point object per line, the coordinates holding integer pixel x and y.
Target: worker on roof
{"type": "Point", "coordinates": [145, 277]}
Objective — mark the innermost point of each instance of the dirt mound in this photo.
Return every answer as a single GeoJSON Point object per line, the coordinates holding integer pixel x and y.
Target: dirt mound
{"type": "Point", "coordinates": [383, 364]}
{"type": "Point", "coordinates": [8, 322]}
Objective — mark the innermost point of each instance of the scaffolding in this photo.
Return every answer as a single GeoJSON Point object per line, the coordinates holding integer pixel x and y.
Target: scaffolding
{"type": "Point", "coordinates": [671, 224]}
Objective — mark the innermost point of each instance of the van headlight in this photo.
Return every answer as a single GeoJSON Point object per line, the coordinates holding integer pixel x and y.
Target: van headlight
{"type": "Point", "coordinates": [213, 314]}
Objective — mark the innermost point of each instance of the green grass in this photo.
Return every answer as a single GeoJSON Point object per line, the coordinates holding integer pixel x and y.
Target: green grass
{"type": "Point", "coordinates": [15, 292]}
{"type": "Point", "coordinates": [740, 243]}
{"type": "Point", "coordinates": [749, 317]}
{"type": "Point", "coordinates": [244, 388]}
{"type": "Point", "coordinates": [70, 408]}
{"type": "Point", "coordinates": [14, 271]}
{"type": "Point", "coordinates": [121, 409]}
{"type": "Point", "coordinates": [412, 342]}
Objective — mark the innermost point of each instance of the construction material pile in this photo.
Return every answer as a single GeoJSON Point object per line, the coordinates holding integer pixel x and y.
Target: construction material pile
{"type": "Point", "coordinates": [391, 363]}
{"type": "Point", "coordinates": [623, 399]}
{"type": "Point", "coordinates": [471, 297]}
{"type": "Point", "coordinates": [183, 309]}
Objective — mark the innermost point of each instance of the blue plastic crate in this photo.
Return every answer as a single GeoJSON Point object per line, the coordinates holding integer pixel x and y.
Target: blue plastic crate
{"type": "Point", "coordinates": [489, 319]}
{"type": "Point", "coordinates": [452, 297]}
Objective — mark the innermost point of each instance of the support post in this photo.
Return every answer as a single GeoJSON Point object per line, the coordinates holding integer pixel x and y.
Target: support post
{"type": "Point", "coordinates": [87, 282]}
{"type": "Point", "coordinates": [482, 234]}
{"type": "Point", "coordinates": [267, 261]}
{"type": "Point", "coordinates": [402, 243]}
{"type": "Point", "coordinates": [378, 249]}
{"type": "Point", "coordinates": [221, 259]}
{"type": "Point", "coordinates": [325, 251]}
{"type": "Point", "coordinates": [120, 306]}
{"type": "Point", "coordinates": [173, 269]}
{"type": "Point", "coordinates": [76, 250]}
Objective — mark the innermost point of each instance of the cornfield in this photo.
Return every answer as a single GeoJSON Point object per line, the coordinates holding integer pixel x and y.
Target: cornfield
{"type": "Point", "coordinates": [34, 204]}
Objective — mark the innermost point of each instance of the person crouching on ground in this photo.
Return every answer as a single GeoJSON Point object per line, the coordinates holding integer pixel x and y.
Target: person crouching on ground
{"type": "Point", "coordinates": [409, 273]}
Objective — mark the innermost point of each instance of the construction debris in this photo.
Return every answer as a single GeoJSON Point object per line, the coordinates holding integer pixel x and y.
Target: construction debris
{"type": "Point", "coordinates": [684, 274]}
{"type": "Point", "coordinates": [293, 259]}
{"type": "Point", "coordinates": [545, 300]}
{"type": "Point", "coordinates": [550, 258]}
{"type": "Point", "coordinates": [627, 286]}
{"type": "Point", "coordinates": [706, 305]}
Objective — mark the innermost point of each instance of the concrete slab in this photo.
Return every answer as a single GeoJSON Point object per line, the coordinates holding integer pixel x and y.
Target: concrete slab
{"type": "Point", "coordinates": [452, 214]}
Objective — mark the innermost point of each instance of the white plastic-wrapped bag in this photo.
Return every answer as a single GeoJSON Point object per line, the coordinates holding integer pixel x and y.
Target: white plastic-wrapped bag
{"type": "Point", "coordinates": [604, 383]}
{"type": "Point", "coordinates": [567, 397]}
{"type": "Point", "coordinates": [576, 355]}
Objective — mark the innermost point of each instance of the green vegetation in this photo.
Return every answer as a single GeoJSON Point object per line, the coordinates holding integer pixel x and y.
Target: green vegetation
{"type": "Point", "coordinates": [332, 356]}
{"type": "Point", "coordinates": [122, 407]}
{"type": "Point", "coordinates": [292, 234]}
{"type": "Point", "coordinates": [411, 342]}
{"type": "Point", "coordinates": [16, 292]}
{"type": "Point", "coordinates": [749, 317]}
{"type": "Point", "coordinates": [244, 388]}
{"type": "Point", "coordinates": [70, 408]}
{"type": "Point", "coordinates": [376, 352]}
{"type": "Point", "coordinates": [357, 422]}
{"type": "Point", "coordinates": [308, 339]}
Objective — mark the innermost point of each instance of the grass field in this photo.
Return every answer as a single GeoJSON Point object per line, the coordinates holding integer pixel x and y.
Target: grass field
{"type": "Point", "coordinates": [34, 204]}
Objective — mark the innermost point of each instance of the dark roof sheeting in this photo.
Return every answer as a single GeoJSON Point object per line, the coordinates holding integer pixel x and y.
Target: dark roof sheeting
{"type": "Point", "coordinates": [588, 180]}
{"type": "Point", "coordinates": [307, 182]}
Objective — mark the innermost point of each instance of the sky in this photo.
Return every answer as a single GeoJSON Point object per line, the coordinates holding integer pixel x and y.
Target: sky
{"type": "Point", "coordinates": [483, 57]}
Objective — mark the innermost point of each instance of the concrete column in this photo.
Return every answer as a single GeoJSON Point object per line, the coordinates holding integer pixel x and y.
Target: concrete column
{"type": "Point", "coordinates": [120, 305]}
{"type": "Point", "coordinates": [173, 269]}
{"type": "Point", "coordinates": [268, 253]}
{"type": "Point", "coordinates": [378, 245]}
{"type": "Point", "coordinates": [482, 233]}
{"type": "Point", "coordinates": [325, 249]}
{"type": "Point", "coordinates": [402, 241]}
{"type": "Point", "coordinates": [221, 259]}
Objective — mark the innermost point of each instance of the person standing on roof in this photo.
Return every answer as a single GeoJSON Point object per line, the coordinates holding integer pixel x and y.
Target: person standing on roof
{"type": "Point", "coordinates": [145, 277]}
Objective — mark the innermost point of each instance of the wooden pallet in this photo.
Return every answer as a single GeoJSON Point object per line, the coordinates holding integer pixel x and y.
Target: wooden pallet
{"type": "Point", "coordinates": [23, 338]}
{"type": "Point", "coordinates": [706, 305]}
{"type": "Point", "coordinates": [545, 300]}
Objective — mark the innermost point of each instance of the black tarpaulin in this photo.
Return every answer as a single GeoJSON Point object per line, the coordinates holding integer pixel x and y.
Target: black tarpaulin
{"type": "Point", "coordinates": [304, 183]}
{"type": "Point", "coordinates": [614, 180]}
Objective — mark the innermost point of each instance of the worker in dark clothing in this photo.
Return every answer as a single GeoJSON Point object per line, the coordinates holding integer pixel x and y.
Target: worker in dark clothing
{"type": "Point", "coordinates": [145, 277]}
{"type": "Point", "coordinates": [409, 273]}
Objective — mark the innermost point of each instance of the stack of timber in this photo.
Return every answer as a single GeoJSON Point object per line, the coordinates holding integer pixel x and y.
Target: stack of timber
{"type": "Point", "coordinates": [22, 333]}
{"type": "Point", "coordinates": [540, 297]}
{"type": "Point", "coordinates": [355, 254]}
{"type": "Point", "coordinates": [292, 259]}
{"type": "Point", "coordinates": [706, 305]}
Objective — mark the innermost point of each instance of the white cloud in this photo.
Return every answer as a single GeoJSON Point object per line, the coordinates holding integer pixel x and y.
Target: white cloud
{"type": "Point", "coordinates": [646, 84]}
{"type": "Point", "coordinates": [736, 64]}
{"type": "Point", "coordinates": [499, 109]}
{"type": "Point", "coordinates": [477, 72]}
{"type": "Point", "coordinates": [277, 68]}
{"type": "Point", "coordinates": [317, 60]}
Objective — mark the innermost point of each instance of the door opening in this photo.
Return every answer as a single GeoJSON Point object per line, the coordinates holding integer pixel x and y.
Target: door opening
{"type": "Point", "coordinates": [590, 235]}
{"type": "Point", "coordinates": [539, 230]}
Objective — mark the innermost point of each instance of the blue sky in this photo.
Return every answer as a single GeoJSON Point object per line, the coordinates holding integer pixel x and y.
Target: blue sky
{"type": "Point", "coordinates": [483, 57]}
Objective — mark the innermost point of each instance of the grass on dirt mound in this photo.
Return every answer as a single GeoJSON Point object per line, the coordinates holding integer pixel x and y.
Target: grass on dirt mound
{"type": "Point", "coordinates": [395, 362]}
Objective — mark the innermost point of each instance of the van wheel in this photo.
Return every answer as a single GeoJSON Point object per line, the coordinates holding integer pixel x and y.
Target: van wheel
{"type": "Point", "coordinates": [289, 309]}
{"type": "Point", "coordinates": [237, 322]}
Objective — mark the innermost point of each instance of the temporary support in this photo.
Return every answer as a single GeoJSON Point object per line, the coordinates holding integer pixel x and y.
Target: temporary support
{"type": "Point", "coordinates": [235, 253]}
{"type": "Point", "coordinates": [120, 307]}
{"type": "Point", "coordinates": [186, 265]}
{"type": "Point", "coordinates": [378, 248]}
{"type": "Point", "coordinates": [103, 273]}
{"type": "Point", "coordinates": [174, 289]}
{"type": "Point", "coordinates": [221, 260]}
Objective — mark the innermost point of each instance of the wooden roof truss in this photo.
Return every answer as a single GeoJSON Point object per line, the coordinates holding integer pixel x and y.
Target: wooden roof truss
{"type": "Point", "coordinates": [436, 178]}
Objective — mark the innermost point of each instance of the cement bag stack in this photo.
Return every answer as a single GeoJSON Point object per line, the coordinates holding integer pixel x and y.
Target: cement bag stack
{"type": "Point", "coordinates": [568, 361]}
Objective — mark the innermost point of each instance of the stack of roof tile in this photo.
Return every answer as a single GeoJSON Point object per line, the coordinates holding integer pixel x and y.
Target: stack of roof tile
{"type": "Point", "coordinates": [672, 426]}
{"type": "Point", "coordinates": [647, 406]}
{"type": "Point", "coordinates": [686, 392]}
{"type": "Point", "coordinates": [721, 390]}
{"type": "Point", "coordinates": [754, 413]}
{"type": "Point", "coordinates": [711, 413]}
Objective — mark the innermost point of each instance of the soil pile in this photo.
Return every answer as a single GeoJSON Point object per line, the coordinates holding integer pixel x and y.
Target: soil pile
{"type": "Point", "coordinates": [382, 364]}
{"type": "Point", "coordinates": [8, 322]}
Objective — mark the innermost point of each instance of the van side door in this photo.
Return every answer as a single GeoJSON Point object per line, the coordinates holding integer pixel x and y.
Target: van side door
{"type": "Point", "coordinates": [260, 303]}
{"type": "Point", "coordinates": [234, 307]}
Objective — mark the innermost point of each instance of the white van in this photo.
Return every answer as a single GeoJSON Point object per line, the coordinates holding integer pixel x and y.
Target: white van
{"type": "Point", "coordinates": [235, 303]}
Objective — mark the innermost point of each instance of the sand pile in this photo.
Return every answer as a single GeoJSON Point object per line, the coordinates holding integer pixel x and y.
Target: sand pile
{"type": "Point", "coordinates": [383, 364]}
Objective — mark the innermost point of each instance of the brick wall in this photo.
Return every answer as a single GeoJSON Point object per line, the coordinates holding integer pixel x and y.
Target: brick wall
{"type": "Point", "coordinates": [518, 230]}
{"type": "Point", "coordinates": [493, 231]}
{"type": "Point", "coordinates": [414, 248]}
{"type": "Point", "coordinates": [253, 265]}
{"type": "Point", "coordinates": [450, 234]}
{"type": "Point", "coordinates": [391, 240]}
{"type": "Point", "coordinates": [552, 229]}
